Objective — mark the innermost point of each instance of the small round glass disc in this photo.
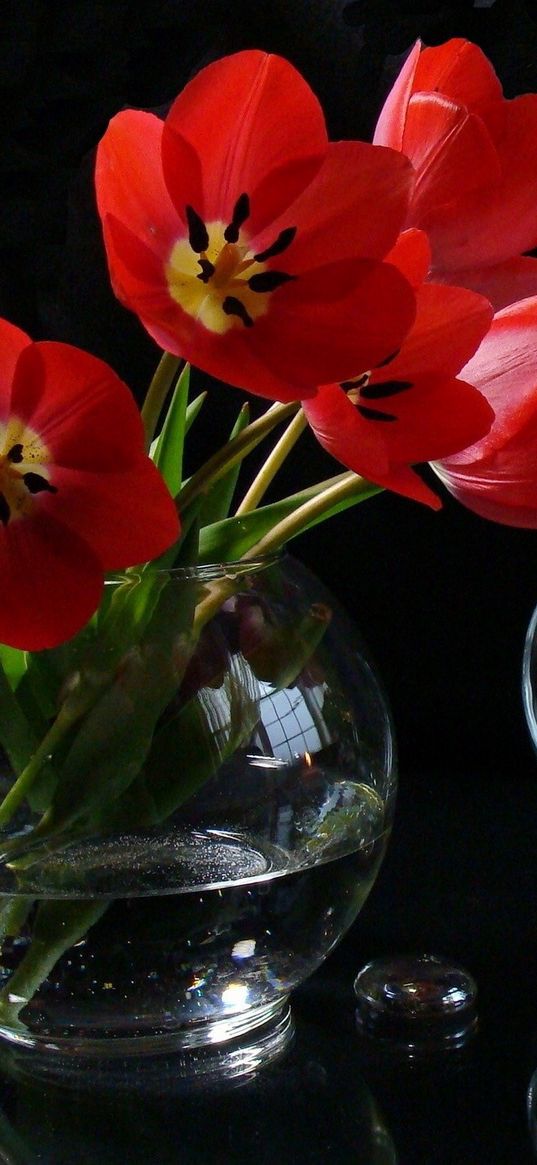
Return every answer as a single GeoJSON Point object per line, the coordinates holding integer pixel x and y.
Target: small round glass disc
{"type": "Point", "coordinates": [417, 1003]}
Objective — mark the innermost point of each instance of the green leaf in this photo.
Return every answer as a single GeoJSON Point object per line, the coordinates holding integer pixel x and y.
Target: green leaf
{"type": "Point", "coordinates": [167, 449]}
{"type": "Point", "coordinates": [282, 651]}
{"type": "Point", "coordinates": [16, 733]}
{"type": "Point", "coordinates": [228, 540]}
{"type": "Point", "coordinates": [190, 748]}
{"type": "Point", "coordinates": [115, 735]}
{"type": "Point", "coordinates": [218, 501]}
{"type": "Point", "coordinates": [14, 663]}
{"type": "Point", "coordinates": [193, 409]}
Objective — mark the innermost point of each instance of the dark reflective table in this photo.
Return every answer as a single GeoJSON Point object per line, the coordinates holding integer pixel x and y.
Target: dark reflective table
{"type": "Point", "coordinates": [460, 879]}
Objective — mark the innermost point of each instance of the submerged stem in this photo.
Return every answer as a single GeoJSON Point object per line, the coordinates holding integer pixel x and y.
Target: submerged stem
{"type": "Point", "coordinates": [57, 927]}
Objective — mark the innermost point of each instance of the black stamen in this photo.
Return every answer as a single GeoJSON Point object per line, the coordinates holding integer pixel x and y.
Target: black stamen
{"type": "Point", "coordinates": [15, 454]}
{"type": "Point", "coordinates": [268, 280]}
{"type": "Point", "coordinates": [197, 231]}
{"type": "Point", "coordinates": [388, 388]}
{"type": "Point", "coordinates": [233, 307]}
{"type": "Point", "coordinates": [35, 484]}
{"type": "Point", "coordinates": [5, 512]}
{"type": "Point", "coordinates": [358, 382]}
{"type": "Point", "coordinates": [241, 212]}
{"type": "Point", "coordinates": [375, 414]}
{"type": "Point", "coordinates": [207, 270]}
{"type": "Point", "coordinates": [284, 240]}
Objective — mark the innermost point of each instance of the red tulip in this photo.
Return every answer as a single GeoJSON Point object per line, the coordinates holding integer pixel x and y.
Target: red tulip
{"type": "Point", "coordinates": [413, 403]}
{"type": "Point", "coordinates": [497, 476]}
{"type": "Point", "coordinates": [78, 496]}
{"type": "Point", "coordinates": [475, 154]}
{"type": "Point", "coordinates": [247, 243]}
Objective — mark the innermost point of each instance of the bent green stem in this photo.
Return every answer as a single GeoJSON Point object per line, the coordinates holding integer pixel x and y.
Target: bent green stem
{"type": "Point", "coordinates": [157, 393]}
{"type": "Point", "coordinates": [57, 927]}
{"type": "Point", "coordinates": [344, 489]}
{"type": "Point", "coordinates": [348, 486]}
{"type": "Point", "coordinates": [272, 464]}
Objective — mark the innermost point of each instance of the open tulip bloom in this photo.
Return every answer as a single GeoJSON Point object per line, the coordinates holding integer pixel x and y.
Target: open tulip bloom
{"type": "Point", "coordinates": [342, 282]}
{"type": "Point", "coordinates": [245, 241]}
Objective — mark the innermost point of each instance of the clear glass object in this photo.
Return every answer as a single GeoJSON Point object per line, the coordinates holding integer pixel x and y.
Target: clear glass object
{"type": "Point", "coordinates": [529, 678]}
{"type": "Point", "coordinates": [417, 1004]}
{"type": "Point", "coordinates": [238, 847]}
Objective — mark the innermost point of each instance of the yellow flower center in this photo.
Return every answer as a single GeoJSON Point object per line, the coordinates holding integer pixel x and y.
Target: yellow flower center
{"type": "Point", "coordinates": [214, 277]}
{"type": "Point", "coordinates": [24, 469]}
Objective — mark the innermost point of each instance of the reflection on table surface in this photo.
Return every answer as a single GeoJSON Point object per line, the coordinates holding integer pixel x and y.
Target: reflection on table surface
{"type": "Point", "coordinates": [329, 1097]}
{"type": "Point", "coordinates": [450, 885]}
{"type": "Point", "coordinates": [310, 1105]}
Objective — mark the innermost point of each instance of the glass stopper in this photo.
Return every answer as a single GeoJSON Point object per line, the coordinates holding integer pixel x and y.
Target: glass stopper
{"type": "Point", "coordinates": [419, 1003]}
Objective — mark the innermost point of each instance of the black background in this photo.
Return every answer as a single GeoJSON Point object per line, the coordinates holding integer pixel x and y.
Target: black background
{"type": "Point", "coordinates": [442, 599]}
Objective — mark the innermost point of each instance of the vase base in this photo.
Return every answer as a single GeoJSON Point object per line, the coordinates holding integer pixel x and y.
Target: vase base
{"type": "Point", "coordinates": [223, 1053]}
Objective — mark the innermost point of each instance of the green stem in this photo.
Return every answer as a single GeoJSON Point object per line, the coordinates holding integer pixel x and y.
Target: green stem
{"type": "Point", "coordinates": [344, 487]}
{"type": "Point", "coordinates": [57, 927]}
{"type": "Point", "coordinates": [15, 731]}
{"type": "Point", "coordinates": [228, 456]}
{"type": "Point", "coordinates": [348, 486]}
{"type": "Point", "coordinates": [157, 393]}
{"type": "Point", "coordinates": [272, 464]}
{"type": "Point", "coordinates": [13, 914]}
{"type": "Point", "coordinates": [24, 782]}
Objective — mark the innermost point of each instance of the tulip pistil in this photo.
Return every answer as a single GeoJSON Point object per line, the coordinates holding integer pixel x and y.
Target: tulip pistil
{"type": "Point", "coordinates": [214, 276]}
{"type": "Point", "coordinates": [21, 451]}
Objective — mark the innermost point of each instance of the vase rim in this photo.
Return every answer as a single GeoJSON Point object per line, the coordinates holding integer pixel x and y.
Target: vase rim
{"type": "Point", "coordinates": [202, 572]}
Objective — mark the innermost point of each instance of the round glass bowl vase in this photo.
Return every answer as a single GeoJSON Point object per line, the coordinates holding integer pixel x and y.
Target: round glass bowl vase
{"type": "Point", "coordinates": [207, 822]}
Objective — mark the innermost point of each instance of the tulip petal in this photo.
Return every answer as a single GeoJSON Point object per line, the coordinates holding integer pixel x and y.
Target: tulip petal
{"type": "Point", "coordinates": [459, 70]}
{"type": "Point", "coordinates": [13, 341]}
{"type": "Point", "coordinates": [496, 476]}
{"type": "Point", "coordinates": [245, 116]}
{"type": "Point", "coordinates": [341, 430]}
{"type": "Point", "coordinates": [229, 358]}
{"type": "Point", "coordinates": [327, 324]}
{"type": "Point", "coordinates": [359, 445]}
{"type": "Point", "coordinates": [504, 369]}
{"type": "Point", "coordinates": [411, 254]}
{"type": "Point", "coordinates": [511, 501]}
{"type": "Point", "coordinates": [337, 216]}
{"type": "Point", "coordinates": [51, 583]}
{"type": "Point", "coordinates": [450, 324]}
{"type": "Point", "coordinates": [503, 283]}
{"type": "Point", "coordinates": [335, 322]}
{"type": "Point", "coordinates": [492, 224]}
{"type": "Point", "coordinates": [80, 408]}
{"type": "Point", "coordinates": [129, 182]}
{"type": "Point", "coordinates": [390, 126]}
{"type": "Point", "coordinates": [127, 517]}
{"type": "Point", "coordinates": [451, 151]}
{"type": "Point", "coordinates": [436, 416]}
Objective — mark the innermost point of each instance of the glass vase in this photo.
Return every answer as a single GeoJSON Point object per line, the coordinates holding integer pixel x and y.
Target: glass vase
{"type": "Point", "coordinates": [205, 817]}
